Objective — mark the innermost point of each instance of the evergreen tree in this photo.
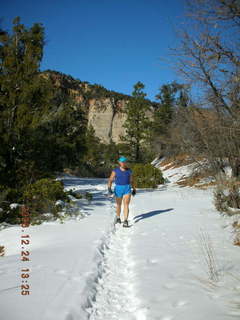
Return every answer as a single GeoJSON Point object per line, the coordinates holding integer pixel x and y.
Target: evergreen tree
{"type": "Point", "coordinates": [170, 96]}
{"type": "Point", "coordinates": [137, 124]}
{"type": "Point", "coordinates": [163, 114]}
{"type": "Point", "coordinates": [24, 95]}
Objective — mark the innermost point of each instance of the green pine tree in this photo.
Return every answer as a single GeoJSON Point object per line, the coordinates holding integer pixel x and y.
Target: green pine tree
{"type": "Point", "coordinates": [163, 114]}
{"type": "Point", "coordinates": [170, 96]}
{"type": "Point", "coordinates": [24, 95]}
{"type": "Point", "coordinates": [137, 124]}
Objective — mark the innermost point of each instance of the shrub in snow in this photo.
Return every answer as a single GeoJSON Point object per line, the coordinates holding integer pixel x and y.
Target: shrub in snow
{"type": "Point", "coordinates": [9, 194]}
{"type": "Point", "coordinates": [73, 193]}
{"type": "Point", "coordinates": [236, 226]}
{"type": "Point", "coordinates": [147, 176]}
{"type": "Point", "coordinates": [9, 214]}
{"type": "Point", "coordinates": [88, 196]}
{"type": "Point", "coordinates": [227, 201]}
{"type": "Point", "coordinates": [41, 197]}
{"type": "Point", "coordinates": [45, 188]}
{"type": "Point", "coordinates": [227, 197]}
{"type": "Point", "coordinates": [9, 211]}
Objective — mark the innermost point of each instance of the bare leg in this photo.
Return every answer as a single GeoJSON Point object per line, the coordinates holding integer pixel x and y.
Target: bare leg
{"type": "Point", "coordinates": [119, 203]}
{"type": "Point", "coordinates": [126, 201]}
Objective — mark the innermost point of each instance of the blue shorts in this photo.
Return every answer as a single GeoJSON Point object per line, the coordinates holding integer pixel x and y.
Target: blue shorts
{"type": "Point", "coordinates": [121, 190]}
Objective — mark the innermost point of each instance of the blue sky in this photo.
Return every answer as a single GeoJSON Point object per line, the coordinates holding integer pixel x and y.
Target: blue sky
{"type": "Point", "coordinates": [110, 42]}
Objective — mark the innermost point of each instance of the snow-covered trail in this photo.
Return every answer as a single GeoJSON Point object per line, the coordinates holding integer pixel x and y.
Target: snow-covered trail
{"type": "Point", "coordinates": [62, 256]}
{"type": "Point", "coordinates": [173, 280]}
{"type": "Point", "coordinates": [92, 270]}
{"type": "Point", "coordinates": [156, 270]}
{"type": "Point", "coordinates": [115, 297]}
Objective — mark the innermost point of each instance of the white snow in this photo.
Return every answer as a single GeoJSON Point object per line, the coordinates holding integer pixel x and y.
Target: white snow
{"type": "Point", "coordinates": [154, 270]}
{"type": "Point", "coordinates": [14, 205]}
{"type": "Point", "coordinates": [60, 203]}
{"type": "Point", "coordinates": [174, 174]}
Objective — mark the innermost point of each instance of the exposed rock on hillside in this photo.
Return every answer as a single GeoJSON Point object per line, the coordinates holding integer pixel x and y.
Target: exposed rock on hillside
{"type": "Point", "coordinates": [104, 108]}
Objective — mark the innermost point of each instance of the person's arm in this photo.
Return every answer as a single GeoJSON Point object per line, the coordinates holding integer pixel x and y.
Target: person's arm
{"type": "Point", "coordinates": [111, 179]}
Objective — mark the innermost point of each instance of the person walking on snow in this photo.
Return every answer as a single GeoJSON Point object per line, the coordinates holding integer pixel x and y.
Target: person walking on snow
{"type": "Point", "coordinates": [123, 183]}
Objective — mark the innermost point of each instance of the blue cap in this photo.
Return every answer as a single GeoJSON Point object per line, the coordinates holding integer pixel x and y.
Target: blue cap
{"type": "Point", "coordinates": [122, 159]}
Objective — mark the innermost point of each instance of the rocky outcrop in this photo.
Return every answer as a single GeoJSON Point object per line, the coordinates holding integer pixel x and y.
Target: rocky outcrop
{"type": "Point", "coordinates": [107, 118]}
{"type": "Point", "coordinates": [104, 108]}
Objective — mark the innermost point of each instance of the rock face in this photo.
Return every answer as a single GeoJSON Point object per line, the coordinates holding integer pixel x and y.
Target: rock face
{"type": "Point", "coordinates": [107, 118]}
{"type": "Point", "coordinates": [104, 108]}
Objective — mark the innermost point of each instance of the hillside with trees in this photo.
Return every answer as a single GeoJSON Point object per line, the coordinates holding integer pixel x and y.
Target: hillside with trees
{"type": "Point", "coordinates": [44, 122]}
{"type": "Point", "coordinates": [112, 205]}
{"type": "Point", "coordinates": [48, 108]}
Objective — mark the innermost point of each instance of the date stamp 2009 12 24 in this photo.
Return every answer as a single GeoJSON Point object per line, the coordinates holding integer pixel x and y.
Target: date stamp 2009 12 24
{"type": "Point", "coordinates": [25, 254]}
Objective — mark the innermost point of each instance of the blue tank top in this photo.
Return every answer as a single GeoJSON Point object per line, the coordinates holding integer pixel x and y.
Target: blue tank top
{"type": "Point", "coordinates": [122, 177]}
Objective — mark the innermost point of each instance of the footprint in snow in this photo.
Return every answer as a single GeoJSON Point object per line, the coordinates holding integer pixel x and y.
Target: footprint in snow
{"type": "Point", "coordinates": [179, 303]}
{"type": "Point", "coordinates": [192, 266]}
{"type": "Point", "coordinates": [77, 279]}
{"type": "Point", "coordinates": [59, 271]}
{"type": "Point", "coordinates": [39, 266]}
{"type": "Point", "coordinates": [152, 261]}
{"type": "Point", "coordinates": [170, 285]}
{"type": "Point", "coordinates": [166, 318]}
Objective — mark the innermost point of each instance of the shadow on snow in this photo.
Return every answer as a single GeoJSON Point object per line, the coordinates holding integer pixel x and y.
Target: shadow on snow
{"type": "Point", "coordinates": [150, 214]}
{"type": "Point", "coordinates": [81, 185]}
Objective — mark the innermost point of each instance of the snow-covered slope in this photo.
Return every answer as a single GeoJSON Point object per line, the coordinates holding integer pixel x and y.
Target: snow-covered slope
{"type": "Point", "coordinates": [158, 269]}
{"type": "Point", "coordinates": [174, 174]}
{"type": "Point", "coordinates": [184, 172]}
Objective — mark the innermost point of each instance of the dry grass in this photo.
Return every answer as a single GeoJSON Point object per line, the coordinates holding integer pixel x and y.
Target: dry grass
{"type": "Point", "coordinates": [209, 255]}
{"type": "Point", "coordinates": [205, 186]}
{"type": "Point", "coordinates": [236, 226]}
{"type": "Point", "coordinates": [188, 181]}
{"type": "Point", "coordinates": [227, 202]}
{"type": "Point", "coordinates": [236, 241]}
{"type": "Point", "coordinates": [176, 161]}
{"type": "Point", "coordinates": [227, 196]}
{"type": "Point", "coordinates": [195, 179]}
{"type": "Point", "coordinates": [169, 166]}
{"type": "Point", "coordinates": [2, 251]}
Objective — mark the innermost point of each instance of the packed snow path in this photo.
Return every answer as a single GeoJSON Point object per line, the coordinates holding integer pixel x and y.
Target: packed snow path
{"type": "Point", "coordinates": [157, 269]}
{"type": "Point", "coordinates": [115, 296]}
{"type": "Point", "coordinates": [89, 269]}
